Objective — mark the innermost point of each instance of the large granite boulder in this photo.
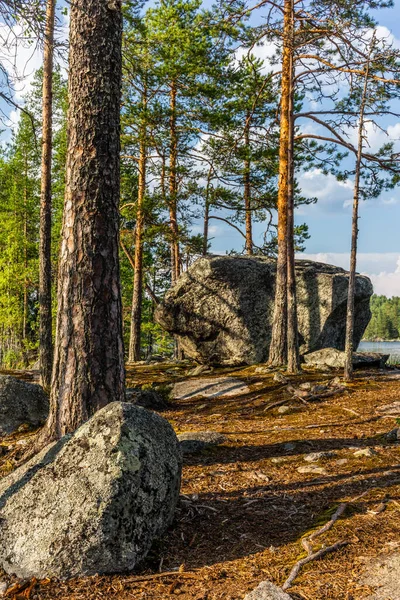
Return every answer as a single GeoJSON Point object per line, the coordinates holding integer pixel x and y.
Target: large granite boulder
{"type": "Point", "coordinates": [94, 501]}
{"type": "Point", "coordinates": [221, 309]}
{"type": "Point", "coordinates": [21, 403]}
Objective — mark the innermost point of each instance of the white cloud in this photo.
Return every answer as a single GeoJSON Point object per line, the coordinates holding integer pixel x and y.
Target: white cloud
{"type": "Point", "coordinates": [20, 57]}
{"type": "Point", "coordinates": [264, 53]}
{"type": "Point", "coordinates": [333, 195]}
{"type": "Point", "coordinates": [382, 268]}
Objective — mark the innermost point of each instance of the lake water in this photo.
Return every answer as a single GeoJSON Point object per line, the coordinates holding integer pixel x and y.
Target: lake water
{"type": "Point", "coordinates": [392, 348]}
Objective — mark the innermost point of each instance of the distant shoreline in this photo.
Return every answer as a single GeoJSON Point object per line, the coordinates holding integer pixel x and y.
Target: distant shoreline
{"type": "Point", "coordinates": [380, 340]}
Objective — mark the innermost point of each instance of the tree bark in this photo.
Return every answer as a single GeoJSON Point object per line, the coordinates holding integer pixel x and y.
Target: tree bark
{"type": "Point", "coordinates": [88, 370]}
{"type": "Point", "coordinates": [247, 191]}
{"type": "Point", "coordinates": [25, 293]}
{"type": "Point", "coordinates": [136, 315]}
{"type": "Point", "coordinates": [173, 188]}
{"type": "Point", "coordinates": [45, 308]}
{"type": "Point", "coordinates": [173, 201]}
{"type": "Point", "coordinates": [207, 214]}
{"type": "Point", "coordinates": [293, 356]}
{"type": "Point", "coordinates": [278, 347]}
{"type": "Point", "coordinates": [348, 366]}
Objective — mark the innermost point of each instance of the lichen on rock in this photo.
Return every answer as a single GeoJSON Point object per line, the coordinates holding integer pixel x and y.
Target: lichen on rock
{"type": "Point", "coordinates": [221, 308]}
{"type": "Point", "coordinates": [94, 501]}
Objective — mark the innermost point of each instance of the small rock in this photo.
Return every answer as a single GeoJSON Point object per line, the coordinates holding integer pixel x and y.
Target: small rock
{"type": "Point", "coordinates": [319, 389]}
{"type": "Point", "coordinates": [390, 409]}
{"type": "Point", "coordinates": [394, 435]}
{"type": "Point", "coordinates": [146, 398]}
{"type": "Point", "coordinates": [289, 446]}
{"type": "Point", "coordinates": [267, 591]}
{"type": "Point", "coordinates": [199, 370]}
{"type": "Point", "coordinates": [278, 459]}
{"type": "Point", "coordinates": [197, 441]}
{"type": "Point", "coordinates": [280, 378]}
{"type": "Point", "coordinates": [305, 386]}
{"type": "Point", "coordinates": [283, 409]}
{"type": "Point", "coordinates": [368, 452]}
{"type": "Point", "coordinates": [312, 469]}
{"type": "Point", "coordinates": [315, 456]}
{"type": "Point", "coordinates": [301, 393]}
{"type": "Point", "coordinates": [262, 370]}
{"type": "Point", "coordinates": [342, 461]}
{"type": "Point", "coordinates": [336, 382]}
{"type": "Point", "coordinates": [22, 405]}
{"type": "Point", "coordinates": [3, 588]}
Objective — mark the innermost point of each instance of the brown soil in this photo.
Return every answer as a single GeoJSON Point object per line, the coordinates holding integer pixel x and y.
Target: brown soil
{"type": "Point", "coordinates": [242, 515]}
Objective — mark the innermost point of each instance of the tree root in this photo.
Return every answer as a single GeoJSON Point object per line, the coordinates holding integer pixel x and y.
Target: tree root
{"type": "Point", "coordinates": [307, 545]}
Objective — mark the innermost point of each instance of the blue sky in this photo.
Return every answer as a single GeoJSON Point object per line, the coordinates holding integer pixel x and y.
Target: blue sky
{"type": "Point", "coordinates": [329, 220]}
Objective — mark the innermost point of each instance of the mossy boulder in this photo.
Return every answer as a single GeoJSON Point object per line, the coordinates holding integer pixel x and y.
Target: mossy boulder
{"type": "Point", "coordinates": [94, 501]}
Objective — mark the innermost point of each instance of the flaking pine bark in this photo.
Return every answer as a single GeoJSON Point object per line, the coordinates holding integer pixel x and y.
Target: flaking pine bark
{"type": "Point", "coordinates": [278, 347]}
{"type": "Point", "coordinates": [247, 189]}
{"type": "Point", "coordinates": [45, 309]}
{"type": "Point", "coordinates": [88, 368]}
{"type": "Point", "coordinates": [293, 355]}
{"type": "Point", "coordinates": [173, 187]}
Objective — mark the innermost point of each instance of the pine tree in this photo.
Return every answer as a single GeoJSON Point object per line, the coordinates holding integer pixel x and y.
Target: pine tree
{"type": "Point", "coordinates": [88, 368]}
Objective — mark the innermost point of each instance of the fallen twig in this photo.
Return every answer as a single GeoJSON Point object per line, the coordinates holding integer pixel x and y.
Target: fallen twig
{"type": "Point", "coordinates": [307, 545]}
{"type": "Point", "coordinates": [314, 556]}
{"type": "Point", "coordinates": [275, 404]}
{"type": "Point", "coordinates": [159, 576]}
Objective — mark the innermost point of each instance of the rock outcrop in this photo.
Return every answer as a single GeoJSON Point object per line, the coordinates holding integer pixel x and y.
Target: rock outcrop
{"type": "Point", "coordinates": [21, 403]}
{"type": "Point", "coordinates": [221, 309]}
{"type": "Point", "coordinates": [216, 387]}
{"type": "Point", "coordinates": [332, 357]}
{"type": "Point", "coordinates": [94, 501]}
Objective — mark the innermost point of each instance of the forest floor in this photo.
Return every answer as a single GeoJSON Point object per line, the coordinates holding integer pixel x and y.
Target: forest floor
{"type": "Point", "coordinates": [245, 507]}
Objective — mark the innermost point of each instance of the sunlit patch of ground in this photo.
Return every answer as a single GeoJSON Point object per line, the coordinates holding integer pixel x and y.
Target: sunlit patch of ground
{"type": "Point", "coordinates": [245, 507]}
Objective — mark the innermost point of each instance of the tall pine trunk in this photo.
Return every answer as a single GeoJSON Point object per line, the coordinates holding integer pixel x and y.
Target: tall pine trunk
{"type": "Point", "coordinates": [207, 213]}
{"type": "Point", "coordinates": [293, 357]}
{"type": "Point", "coordinates": [173, 200]}
{"type": "Point", "coordinates": [278, 347]}
{"type": "Point", "coordinates": [136, 314]}
{"type": "Point", "coordinates": [45, 312]}
{"type": "Point", "coordinates": [348, 366]}
{"type": "Point", "coordinates": [173, 187]}
{"type": "Point", "coordinates": [247, 191]}
{"type": "Point", "coordinates": [88, 370]}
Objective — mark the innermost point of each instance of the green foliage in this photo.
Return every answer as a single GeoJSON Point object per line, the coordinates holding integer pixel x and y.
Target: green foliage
{"type": "Point", "coordinates": [385, 321]}
{"type": "Point", "coordinates": [19, 217]}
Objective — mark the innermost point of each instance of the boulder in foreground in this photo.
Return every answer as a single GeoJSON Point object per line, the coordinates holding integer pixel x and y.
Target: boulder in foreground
{"type": "Point", "coordinates": [92, 502]}
{"type": "Point", "coordinates": [221, 308]}
{"type": "Point", "coordinates": [21, 403]}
